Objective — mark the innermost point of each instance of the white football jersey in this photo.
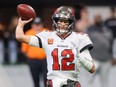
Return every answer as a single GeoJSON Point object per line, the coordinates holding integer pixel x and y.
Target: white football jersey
{"type": "Point", "coordinates": [61, 60]}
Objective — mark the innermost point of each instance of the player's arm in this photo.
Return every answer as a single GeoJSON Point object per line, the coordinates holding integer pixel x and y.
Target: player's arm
{"type": "Point", "coordinates": [20, 36]}
{"type": "Point", "coordinates": [86, 60]}
{"type": "Point", "coordinates": [28, 39]}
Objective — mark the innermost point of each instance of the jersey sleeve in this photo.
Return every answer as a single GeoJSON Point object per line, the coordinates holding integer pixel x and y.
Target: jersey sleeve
{"type": "Point", "coordinates": [87, 55]}
{"type": "Point", "coordinates": [37, 40]}
{"type": "Point", "coordinates": [34, 41]}
{"type": "Point", "coordinates": [85, 43]}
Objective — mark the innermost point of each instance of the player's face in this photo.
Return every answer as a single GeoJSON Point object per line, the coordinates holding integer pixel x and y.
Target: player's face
{"type": "Point", "coordinates": [63, 24]}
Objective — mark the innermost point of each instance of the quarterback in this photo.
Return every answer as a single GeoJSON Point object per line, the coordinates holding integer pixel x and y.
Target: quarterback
{"type": "Point", "coordinates": [66, 50]}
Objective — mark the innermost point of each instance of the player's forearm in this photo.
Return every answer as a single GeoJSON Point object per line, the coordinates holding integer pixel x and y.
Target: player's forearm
{"type": "Point", "coordinates": [19, 32]}
{"type": "Point", "coordinates": [87, 64]}
{"type": "Point", "coordinates": [20, 36]}
{"type": "Point", "coordinates": [86, 61]}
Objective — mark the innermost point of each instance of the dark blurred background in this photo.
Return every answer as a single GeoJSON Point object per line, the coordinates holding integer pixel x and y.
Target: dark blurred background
{"type": "Point", "coordinates": [8, 7]}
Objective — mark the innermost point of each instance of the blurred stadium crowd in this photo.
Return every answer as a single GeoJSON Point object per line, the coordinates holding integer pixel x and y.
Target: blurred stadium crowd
{"type": "Point", "coordinates": [98, 22]}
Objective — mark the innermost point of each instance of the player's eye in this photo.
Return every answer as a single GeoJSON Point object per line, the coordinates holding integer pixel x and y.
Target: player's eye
{"type": "Point", "coordinates": [65, 21]}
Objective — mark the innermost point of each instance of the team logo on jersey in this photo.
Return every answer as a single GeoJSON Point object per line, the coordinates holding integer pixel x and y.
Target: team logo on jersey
{"type": "Point", "coordinates": [50, 41]}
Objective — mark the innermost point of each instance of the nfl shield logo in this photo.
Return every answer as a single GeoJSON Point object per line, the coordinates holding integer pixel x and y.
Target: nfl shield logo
{"type": "Point", "coordinates": [50, 41]}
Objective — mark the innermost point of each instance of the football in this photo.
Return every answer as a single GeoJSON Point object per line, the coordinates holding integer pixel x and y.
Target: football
{"type": "Point", "coordinates": [26, 11]}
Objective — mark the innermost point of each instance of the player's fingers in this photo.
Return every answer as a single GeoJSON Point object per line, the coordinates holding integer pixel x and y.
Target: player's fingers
{"type": "Point", "coordinates": [25, 21]}
{"type": "Point", "coordinates": [19, 19]}
{"type": "Point", "coordinates": [29, 20]}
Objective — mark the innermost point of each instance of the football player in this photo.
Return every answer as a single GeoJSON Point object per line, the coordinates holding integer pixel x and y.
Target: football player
{"type": "Point", "coordinates": [66, 50]}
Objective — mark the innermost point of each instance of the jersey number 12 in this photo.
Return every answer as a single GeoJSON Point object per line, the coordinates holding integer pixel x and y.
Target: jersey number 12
{"type": "Point", "coordinates": [67, 55]}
